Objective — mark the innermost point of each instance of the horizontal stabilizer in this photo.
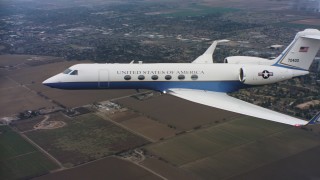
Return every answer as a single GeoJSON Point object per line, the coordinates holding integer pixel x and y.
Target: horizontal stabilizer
{"type": "Point", "coordinates": [312, 37]}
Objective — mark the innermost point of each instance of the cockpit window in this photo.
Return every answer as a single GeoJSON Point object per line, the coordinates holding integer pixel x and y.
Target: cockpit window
{"type": "Point", "coordinates": [67, 71]}
{"type": "Point", "coordinates": [75, 72]}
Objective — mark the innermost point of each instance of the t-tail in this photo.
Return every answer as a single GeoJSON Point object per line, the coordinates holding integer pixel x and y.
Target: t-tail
{"type": "Point", "coordinates": [301, 52]}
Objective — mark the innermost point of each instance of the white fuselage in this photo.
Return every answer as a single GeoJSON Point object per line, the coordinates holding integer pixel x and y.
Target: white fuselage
{"type": "Point", "coordinates": [160, 77]}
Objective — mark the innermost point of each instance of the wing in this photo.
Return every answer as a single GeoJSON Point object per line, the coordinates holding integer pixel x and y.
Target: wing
{"type": "Point", "coordinates": [223, 101]}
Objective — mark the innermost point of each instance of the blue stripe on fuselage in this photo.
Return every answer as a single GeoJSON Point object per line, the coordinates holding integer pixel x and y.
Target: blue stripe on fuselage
{"type": "Point", "coordinates": [217, 86]}
{"type": "Point", "coordinates": [289, 67]}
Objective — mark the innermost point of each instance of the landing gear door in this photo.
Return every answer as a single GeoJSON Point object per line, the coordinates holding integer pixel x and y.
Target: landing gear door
{"type": "Point", "coordinates": [103, 78]}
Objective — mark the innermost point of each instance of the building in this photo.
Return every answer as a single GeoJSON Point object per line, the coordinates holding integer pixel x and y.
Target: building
{"type": "Point", "coordinates": [276, 47]}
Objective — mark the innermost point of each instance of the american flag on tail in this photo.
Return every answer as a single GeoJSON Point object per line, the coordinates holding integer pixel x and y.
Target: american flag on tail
{"type": "Point", "coordinates": [304, 49]}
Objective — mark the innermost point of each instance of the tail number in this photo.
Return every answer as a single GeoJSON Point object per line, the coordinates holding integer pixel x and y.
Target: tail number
{"type": "Point", "coordinates": [293, 60]}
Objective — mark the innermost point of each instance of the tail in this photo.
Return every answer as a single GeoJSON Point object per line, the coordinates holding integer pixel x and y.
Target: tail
{"type": "Point", "coordinates": [301, 52]}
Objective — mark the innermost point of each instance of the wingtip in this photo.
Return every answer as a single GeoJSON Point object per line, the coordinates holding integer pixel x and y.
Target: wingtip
{"type": "Point", "coordinates": [315, 119]}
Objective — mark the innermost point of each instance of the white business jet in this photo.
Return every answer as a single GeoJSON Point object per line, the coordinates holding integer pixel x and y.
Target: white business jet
{"type": "Point", "coordinates": [203, 81]}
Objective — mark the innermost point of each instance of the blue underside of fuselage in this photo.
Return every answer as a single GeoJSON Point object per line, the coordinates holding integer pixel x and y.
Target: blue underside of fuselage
{"type": "Point", "coordinates": [217, 86]}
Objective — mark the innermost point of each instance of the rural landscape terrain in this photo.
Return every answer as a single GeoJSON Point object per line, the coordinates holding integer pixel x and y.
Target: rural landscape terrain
{"type": "Point", "coordinates": [127, 134]}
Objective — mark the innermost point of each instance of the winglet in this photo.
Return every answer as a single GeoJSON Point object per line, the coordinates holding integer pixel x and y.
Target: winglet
{"type": "Point", "coordinates": [315, 119]}
{"type": "Point", "coordinates": [206, 57]}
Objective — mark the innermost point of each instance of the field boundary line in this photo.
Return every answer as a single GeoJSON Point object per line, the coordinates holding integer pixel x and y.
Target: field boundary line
{"type": "Point", "coordinates": [43, 151]}
{"type": "Point", "coordinates": [122, 126]}
{"type": "Point", "coordinates": [19, 155]}
{"type": "Point", "coordinates": [238, 146]}
{"type": "Point", "coordinates": [145, 168]}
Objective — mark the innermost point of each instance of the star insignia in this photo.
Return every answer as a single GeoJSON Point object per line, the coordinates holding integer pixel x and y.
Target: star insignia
{"type": "Point", "coordinates": [265, 74]}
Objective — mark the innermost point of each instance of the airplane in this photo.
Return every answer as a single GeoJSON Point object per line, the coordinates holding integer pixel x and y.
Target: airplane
{"type": "Point", "coordinates": [203, 81]}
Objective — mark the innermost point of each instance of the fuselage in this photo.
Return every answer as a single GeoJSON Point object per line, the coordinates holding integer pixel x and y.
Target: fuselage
{"type": "Point", "coordinates": [159, 77]}
{"type": "Point", "coordinates": [162, 77]}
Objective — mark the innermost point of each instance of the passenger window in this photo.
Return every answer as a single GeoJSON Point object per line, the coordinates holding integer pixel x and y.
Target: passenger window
{"type": "Point", "coordinates": [75, 72]}
{"type": "Point", "coordinates": [181, 77]}
{"type": "Point", "coordinates": [154, 77]}
{"type": "Point", "coordinates": [127, 77]}
{"type": "Point", "coordinates": [67, 71]}
{"type": "Point", "coordinates": [194, 77]}
{"type": "Point", "coordinates": [141, 77]}
{"type": "Point", "coordinates": [167, 77]}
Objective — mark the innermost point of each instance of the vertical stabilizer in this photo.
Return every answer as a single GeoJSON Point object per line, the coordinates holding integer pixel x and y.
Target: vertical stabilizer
{"type": "Point", "coordinates": [302, 51]}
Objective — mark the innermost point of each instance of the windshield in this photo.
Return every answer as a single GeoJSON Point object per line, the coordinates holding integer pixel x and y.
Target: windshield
{"type": "Point", "coordinates": [75, 72]}
{"type": "Point", "coordinates": [67, 71]}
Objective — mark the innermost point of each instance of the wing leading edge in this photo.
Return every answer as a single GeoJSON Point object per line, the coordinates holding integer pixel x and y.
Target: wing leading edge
{"type": "Point", "coordinates": [225, 102]}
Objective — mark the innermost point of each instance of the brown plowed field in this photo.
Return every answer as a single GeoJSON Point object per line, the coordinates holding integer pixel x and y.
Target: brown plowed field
{"type": "Point", "coordinates": [18, 99]}
{"type": "Point", "coordinates": [167, 170]}
{"type": "Point", "coordinates": [176, 112]}
{"type": "Point", "coordinates": [109, 168]}
{"type": "Point", "coordinates": [313, 22]}
{"type": "Point", "coordinates": [149, 128]}
{"type": "Point", "coordinates": [300, 166]}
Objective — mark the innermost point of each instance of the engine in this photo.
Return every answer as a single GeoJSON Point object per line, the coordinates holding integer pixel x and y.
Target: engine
{"type": "Point", "coordinates": [248, 60]}
{"type": "Point", "coordinates": [261, 75]}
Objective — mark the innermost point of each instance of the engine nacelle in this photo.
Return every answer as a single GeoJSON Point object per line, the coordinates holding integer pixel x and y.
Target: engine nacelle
{"type": "Point", "coordinates": [247, 60]}
{"type": "Point", "coordinates": [261, 75]}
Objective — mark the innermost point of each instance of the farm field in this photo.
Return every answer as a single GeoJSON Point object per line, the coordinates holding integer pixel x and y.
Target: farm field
{"type": "Point", "coordinates": [19, 159]}
{"type": "Point", "coordinates": [142, 125]}
{"type": "Point", "coordinates": [167, 170]}
{"type": "Point", "coordinates": [250, 4]}
{"type": "Point", "coordinates": [234, 147]}
{"type": "Point", "coordinates": [180, 114]}
{"type": "Point", "coordinates": [17, 99]}
{"type": "Point", "coordinates": [123, 116]}
{"type": "Point", "coordinates": [149, 128]}
{"type": "Point", "coordinates": [199, 10]}
{"type": "Point", "coordinates": [84, 138]}
{"type": "Point", "coordinates": [312, 22]}
{"type": "Point", "coordinates": [108, 168]}
{"type": "Point", "coordinates": [295, 167]}
{"type": "Point", "coordinates": [27, 124]}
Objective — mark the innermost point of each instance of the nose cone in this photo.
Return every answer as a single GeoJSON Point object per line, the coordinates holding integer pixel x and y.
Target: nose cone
{"type": "Point", "coordinates": [46, 82]}
{"type": "Point", "coordinates": [50, 81]}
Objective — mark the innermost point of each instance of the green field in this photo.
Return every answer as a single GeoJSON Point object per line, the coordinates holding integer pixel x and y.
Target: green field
{"type": "Point", "coordinates": [19, 159]}
{"type": "Point", "coordinates": [84, 138]}
{"type": "Point", "coordinates": [233, 147]}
